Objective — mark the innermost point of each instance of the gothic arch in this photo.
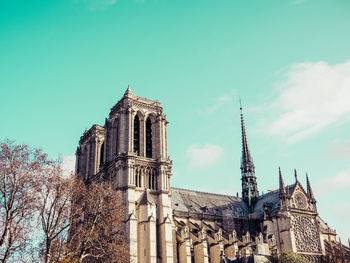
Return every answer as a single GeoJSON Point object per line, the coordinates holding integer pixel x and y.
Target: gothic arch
{"type": "Point", "coordinates": [151, 116]}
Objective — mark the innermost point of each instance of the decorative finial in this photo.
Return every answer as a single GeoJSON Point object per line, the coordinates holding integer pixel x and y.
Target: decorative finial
{"type": "Point", "coordinates": [295, 175]}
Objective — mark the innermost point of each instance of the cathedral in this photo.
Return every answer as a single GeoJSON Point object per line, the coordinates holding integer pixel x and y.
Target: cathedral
{"type": "Point", "coordinates": [164, 224]}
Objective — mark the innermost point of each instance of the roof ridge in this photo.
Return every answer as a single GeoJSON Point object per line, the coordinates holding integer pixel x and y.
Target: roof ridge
{"type": "Point", "coordinates": [275, 190]}
{"type": "Point", "coordinates": [208, 193]}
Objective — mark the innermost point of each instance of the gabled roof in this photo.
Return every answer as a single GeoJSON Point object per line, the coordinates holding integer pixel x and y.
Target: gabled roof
{"type": "Point", "coordinates": [190, 201]}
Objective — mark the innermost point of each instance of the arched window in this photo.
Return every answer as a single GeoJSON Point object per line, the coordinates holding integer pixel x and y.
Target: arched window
{"type": "Point", "coordinates": [102, 153]}
{"type": "Point", "coordinates": [116, 139]}
{"type": "Point", "coordinates": [149, 138]}
{"type": "Point", "coordinates": [137, 135]}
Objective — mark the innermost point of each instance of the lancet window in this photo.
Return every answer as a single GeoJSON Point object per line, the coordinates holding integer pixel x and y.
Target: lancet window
{"type": "Point", "coordinates": [138, 178]}
{"type": "Point", "coordinates": [148, 138]}
{"type": "Point", "coordinates": [152, 180]}
{"type": "Point", "coordinates": [137, 135]}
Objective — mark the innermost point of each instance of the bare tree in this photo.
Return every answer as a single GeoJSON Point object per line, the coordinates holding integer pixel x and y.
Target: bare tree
{"type": "Point", "coordinates": [20, 166]}
{"type": "Point", "coordinates": [54, 209]}
{"type": "Point", "coordinates": [97, 225]}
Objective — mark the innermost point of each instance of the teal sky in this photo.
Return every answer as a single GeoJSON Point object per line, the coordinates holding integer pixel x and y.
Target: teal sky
{"type": "Point", "coordinates": [65, 63]}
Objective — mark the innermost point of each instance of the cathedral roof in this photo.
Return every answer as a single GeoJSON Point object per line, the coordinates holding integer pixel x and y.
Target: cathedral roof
{"type": "Point", "coordinates": [189, 201]}
{"type": "Point", "coordinates": [271, 200]}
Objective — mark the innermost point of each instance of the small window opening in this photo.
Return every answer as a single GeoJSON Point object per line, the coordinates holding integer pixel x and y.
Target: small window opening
{"type": "Point", "coordinates": [148, 138]}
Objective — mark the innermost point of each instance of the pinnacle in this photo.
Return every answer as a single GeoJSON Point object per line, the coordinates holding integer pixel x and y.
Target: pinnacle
{"type": "Point", "coordinates": [128, 92]}
{"type": "Point", "coordinates": [282, 188]}
{"type": "Point", "coordinates": [295, 175]}
{"type": "Point", "coordinates": [309, 190]}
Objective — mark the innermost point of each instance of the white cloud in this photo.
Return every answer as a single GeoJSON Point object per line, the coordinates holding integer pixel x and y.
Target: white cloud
{"type": "Point", "coordinates": [203, 157]}
{"type": "Point", "coordinates": [340, 149]}
{"type": "Point", "coordinates": [311, 97]}
{"type": "Point", "coordinates": [222, 101]}
{"type": "Point", "coordinates": [99, 4]}
{"type": "Point", "coordinates": [333, 184]}
{"type": "Point", "coordinates": [68, 165]}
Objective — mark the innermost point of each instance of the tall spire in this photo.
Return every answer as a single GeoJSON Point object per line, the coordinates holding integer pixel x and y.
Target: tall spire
{"type": "Point", "coordinates": [247, 161]}
{"type": "Point", "coordinates": [249, 186]}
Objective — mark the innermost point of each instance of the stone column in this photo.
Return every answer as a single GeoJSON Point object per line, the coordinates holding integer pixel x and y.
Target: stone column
{"type": "Point", "coordinates": [201, 248]}
{"type": "Point", "coordinates": [185, 246]}
{"type": "Point", "coordinates": [131, 235]}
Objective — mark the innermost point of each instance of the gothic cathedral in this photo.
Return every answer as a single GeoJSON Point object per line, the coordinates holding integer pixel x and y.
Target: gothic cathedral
{"type": "Point", "coordinates": [172, 225]}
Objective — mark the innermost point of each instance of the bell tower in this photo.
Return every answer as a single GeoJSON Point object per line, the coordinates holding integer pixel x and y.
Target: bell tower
{"type": "Point", "coordinates": [130, 151]}
{"type": "Point", "coordinates": [249, 186]}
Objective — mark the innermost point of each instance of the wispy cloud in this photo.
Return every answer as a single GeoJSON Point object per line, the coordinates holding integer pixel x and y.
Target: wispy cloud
{"type": "Point", "coordinates": [68, 165]}
{"type": "Point", "coordinates": [311, 97]}
{"type": "Point", "coordinates": [201, 157]}
{"type": "Point", "coordinates": [339, 150]}
{"type": "Point", "coordinates": [222, 101]}
{"type": "Point", "coordinates": [333, 184]}
{"type": "Point", "coordinates": [99, 5]}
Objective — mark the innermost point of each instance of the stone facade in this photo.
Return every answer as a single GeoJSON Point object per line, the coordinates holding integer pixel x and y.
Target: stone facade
{"type": "Point", "coordinates": [172, 225]}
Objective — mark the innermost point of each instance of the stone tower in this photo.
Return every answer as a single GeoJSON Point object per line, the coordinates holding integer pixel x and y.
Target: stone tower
{"type": "Point", "coordinates": [250, 191]}
{"type": "Point", "coordinates": [130, 151]}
